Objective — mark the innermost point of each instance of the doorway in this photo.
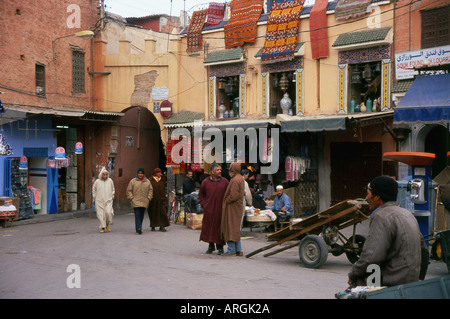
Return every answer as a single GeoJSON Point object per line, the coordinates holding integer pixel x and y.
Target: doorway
{"type": "Point", "coordinates": [353, 166]}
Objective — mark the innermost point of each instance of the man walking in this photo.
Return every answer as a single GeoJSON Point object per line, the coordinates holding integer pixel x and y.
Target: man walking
{"type": "Point", "coordinates": [139, 193]}
{"type": "Point", "coordinates": [103, 195]}
{"type": "Point", "coordinates": [394, 242]}
{"type": "Point", "coordinates": [157, 209]}
{"type": "Point", "coordinates": [210, 196]}
{"type": "Point", "coordinates": [233, 206]}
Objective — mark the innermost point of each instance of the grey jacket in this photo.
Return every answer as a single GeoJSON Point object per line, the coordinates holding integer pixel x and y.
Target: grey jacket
{"type": "Point", "coordinates": [394, 243]}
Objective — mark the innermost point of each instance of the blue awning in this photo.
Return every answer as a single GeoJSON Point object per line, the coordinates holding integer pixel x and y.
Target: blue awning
{"type": "Point", "coordinates": [427, 100]}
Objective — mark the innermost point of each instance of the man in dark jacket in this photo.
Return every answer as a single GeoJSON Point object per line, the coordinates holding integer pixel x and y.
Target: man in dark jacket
{"type": "Point", "coordinates": [394, 242]}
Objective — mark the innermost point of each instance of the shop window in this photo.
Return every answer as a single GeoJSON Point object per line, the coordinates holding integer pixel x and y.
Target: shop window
{"type": "Point", "coordinates": [228, 97]}
{"type": "Point", "coordinates": [40, 79]}
{"type": "Point", "coordinates": [282, 93]}
{"type": "Point", "coordinates": [435, 27]}
{"type": "Point", "coordinates": [365, 87]}
{"type": "Point", "coordinates": [78, 72]}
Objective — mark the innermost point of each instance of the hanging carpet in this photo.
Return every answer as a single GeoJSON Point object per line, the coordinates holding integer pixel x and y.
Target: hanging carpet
{"type": "Point", "coordinates": [318, 29]}
{"type": "Point", "coordinates": [241, 27]}
{"type": "Point", "coordinates": [348, 9]}
{"type": "Point", "coordinates": [215, 13]}
{"type": "Point", "coordinates": [282, 31]}
{"type": "Point", "coordinates": [194, 32]}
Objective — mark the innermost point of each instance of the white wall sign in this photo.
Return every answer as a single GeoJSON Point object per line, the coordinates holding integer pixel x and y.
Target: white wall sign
{"type": "Point", "coordinates": [406, 62]}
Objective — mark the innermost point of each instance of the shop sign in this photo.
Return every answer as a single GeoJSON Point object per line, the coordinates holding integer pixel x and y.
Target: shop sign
{"type": "Point", "coordinates": [79, 148]}
{"type": "Point", "coordinates": [60, 153]}
{"type": "Point", "coordinates": [23, 163]}
{"type": "Point", "coordinates": [407, 63]}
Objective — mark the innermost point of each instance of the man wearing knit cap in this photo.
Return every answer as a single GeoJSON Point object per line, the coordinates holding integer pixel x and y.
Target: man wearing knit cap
{"type": "Point", "coordinates": [394, 242]}
{"type": "Point", "coordinates": [139, 193]}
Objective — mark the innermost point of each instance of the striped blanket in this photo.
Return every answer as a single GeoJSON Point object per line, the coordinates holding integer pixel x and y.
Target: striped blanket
{"type": "Point", "coordinates": [282, 31]}
{"type": "Point", "coordinates": [348, 9]}
{"type": "Point", "coordinates": [241, 27]}
{"type": "Point", "coordinates": [194, 32]}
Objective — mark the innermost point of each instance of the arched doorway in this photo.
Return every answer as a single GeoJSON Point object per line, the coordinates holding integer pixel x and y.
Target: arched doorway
{"type": "Point", "coordinates": [140, 146]}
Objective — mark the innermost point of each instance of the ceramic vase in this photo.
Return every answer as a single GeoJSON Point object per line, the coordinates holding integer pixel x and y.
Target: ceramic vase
{"type": "Point", "coordinates": [285, 103]}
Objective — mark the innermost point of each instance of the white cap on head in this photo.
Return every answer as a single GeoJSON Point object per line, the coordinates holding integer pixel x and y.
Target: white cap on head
{"type": "Point", "coordinates": [279, 187]}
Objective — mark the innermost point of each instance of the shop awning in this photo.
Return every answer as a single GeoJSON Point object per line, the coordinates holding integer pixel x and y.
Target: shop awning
{"type": "Point", "coordinates": [243, 123]}
{"type": "Point", "coordinates": [15, 112]}
{"type": "Point", "coordinates": [427, 100]}
{"type": "Point", "coordinates": [320, 123]}
{"type": "Point", "coordinates": [223, 124]}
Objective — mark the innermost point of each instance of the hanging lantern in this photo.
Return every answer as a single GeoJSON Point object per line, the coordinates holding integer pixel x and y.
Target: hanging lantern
{"type": "Point", "coordinates": [222, 84]}
{"type": "Point", "coordinates": [367, 73]}
{"type": "Point", "coordinates": [356, 75]}
{"type": "Point", "coordinates": [274, 80]}
{"type": "Point", "coordinates": [377, 68]}
{"type": "Point", "coordinates": [284, 83]}
{"type": "Point", "coordinates": [229, 88]}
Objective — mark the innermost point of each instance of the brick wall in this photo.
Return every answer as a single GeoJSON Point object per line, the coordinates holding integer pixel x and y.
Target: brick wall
{"type": "Point", "coordinates": [407, 36]}
{"type": "Point", "coordinates": [31, 32]}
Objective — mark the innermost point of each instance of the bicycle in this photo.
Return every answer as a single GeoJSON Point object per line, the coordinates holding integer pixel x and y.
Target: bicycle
{"type": "Point", "coordinates": [175, 207]}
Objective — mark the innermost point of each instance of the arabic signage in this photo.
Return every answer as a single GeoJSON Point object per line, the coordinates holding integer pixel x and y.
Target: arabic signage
{"type": "Point", "coordinates": [406, 62]}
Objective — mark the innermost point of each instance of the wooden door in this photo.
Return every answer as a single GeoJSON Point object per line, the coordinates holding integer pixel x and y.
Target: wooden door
{"type": "Point", "coordinates": [353, 165]}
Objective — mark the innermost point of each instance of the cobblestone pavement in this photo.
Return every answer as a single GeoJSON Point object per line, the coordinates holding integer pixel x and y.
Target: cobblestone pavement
{"type": "Point", "coordinates": [34, 261]}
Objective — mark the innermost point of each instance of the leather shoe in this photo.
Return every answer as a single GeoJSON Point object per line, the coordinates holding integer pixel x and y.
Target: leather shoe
{"type": "Point", "coordinates": [239, 254]}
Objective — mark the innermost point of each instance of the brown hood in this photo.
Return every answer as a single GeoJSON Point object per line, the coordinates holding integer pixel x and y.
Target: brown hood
{"type": "Point", "coordinates": [235, 169]}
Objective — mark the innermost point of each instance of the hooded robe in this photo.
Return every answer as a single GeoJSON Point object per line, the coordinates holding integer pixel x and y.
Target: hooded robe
{"type": "Point", "coordinates": [103, 195]}
{"type": "Point", "coordinates": [233, 205]}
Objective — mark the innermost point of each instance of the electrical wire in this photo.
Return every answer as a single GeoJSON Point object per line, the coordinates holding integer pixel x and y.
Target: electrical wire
{"type": "Point", "coordinates": [183, 53]}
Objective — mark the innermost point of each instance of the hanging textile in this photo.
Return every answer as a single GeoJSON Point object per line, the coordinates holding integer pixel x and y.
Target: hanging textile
{"type": "Point", "coordinates": [196, 154]}
{"type": "Point", "coordinates": [5, 148]}
{"type": "Point", "coordinates": [215, 13]}
{"type": "Point", "coordinates": [347, 9]}
{"type": "Point", "coordinates": [318, 29]}
{"type": "Point", "coordinates": [282, 31]}
{"type": "Point", "coordinates": [295, 166]}
{"type": "Point", "coordinates": [242, 26]}
{"type": "Point", "coordinates": [194, 32]}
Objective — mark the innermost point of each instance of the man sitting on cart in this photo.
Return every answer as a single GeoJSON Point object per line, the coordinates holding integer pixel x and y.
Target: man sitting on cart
{"type": "Point", "coordinates": [282, 206]}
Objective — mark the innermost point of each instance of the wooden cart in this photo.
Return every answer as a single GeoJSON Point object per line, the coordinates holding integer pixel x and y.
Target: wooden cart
{"type": "Point", "coordinates": [319, 234]}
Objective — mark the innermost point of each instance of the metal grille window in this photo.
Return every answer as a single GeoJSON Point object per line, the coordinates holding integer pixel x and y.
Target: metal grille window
{"type": "Point", "coordinates": [40, 79]}
{"type": "Point", "coordinates": [435, 27]}
{"type": "Point", "coordinates": [78, 72]}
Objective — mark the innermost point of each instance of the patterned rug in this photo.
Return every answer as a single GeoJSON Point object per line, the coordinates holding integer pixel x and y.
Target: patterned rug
{"type": "Point", "coordinates": [282, 31]}
{"type": "Point", "coordinates": [347, 9]}
{"type": "Point", "coordinates": [194, 32]}
{"type": "Point", "coordinates": [241, 27]}
{"type": "Point", "coordinates": [318, 29]}
{"type": "Point", "coordinates": [215, 13]}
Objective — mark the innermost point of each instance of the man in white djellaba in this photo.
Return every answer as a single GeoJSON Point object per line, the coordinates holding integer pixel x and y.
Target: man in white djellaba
{"type": "Point", "coordinates": [103, 195]}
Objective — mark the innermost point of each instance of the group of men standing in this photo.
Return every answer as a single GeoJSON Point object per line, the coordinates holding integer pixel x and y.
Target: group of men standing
{"type": "Point", "coordinates": [142, 192]}
{"type": "Point", "coordinates": [223, 207]}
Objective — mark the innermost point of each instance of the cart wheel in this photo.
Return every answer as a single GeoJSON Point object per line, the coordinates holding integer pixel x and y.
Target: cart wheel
{"type": "Point", "coordinates": [313, 251]}
{"type": "Point", "coordinates": [354, 255]}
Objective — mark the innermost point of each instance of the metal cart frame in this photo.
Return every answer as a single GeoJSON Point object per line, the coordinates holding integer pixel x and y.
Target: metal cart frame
{"type": "Point", "coordinates": [319, 234]}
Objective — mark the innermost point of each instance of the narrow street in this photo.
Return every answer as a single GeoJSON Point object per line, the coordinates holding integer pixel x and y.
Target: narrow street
{"type": "Point", "coordinates": [34, 260]}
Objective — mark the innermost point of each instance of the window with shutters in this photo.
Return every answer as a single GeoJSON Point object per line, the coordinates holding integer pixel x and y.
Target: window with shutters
{"type": "Point", "coordinates": [78, 72]}
{"type": "Point", "coordinates": [435, 24]}
{"type": "Point", "coordinates": [40, 79]}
